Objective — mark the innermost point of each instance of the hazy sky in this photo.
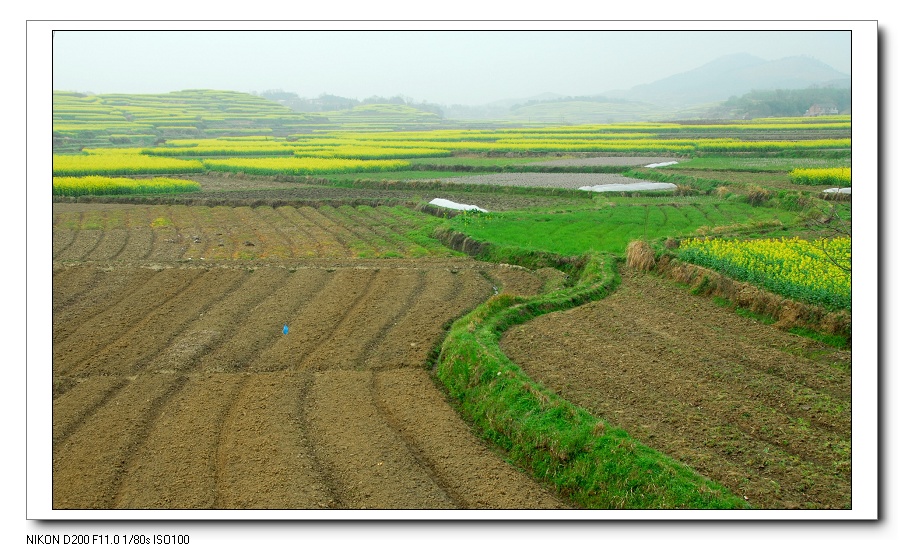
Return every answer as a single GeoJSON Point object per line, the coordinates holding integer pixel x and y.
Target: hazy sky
{"type": "Point", "coordinates": [447, 67]}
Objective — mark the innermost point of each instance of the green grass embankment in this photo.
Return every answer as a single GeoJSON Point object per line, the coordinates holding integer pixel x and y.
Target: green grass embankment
{"type": "Point", "coordinates": [590, 462]}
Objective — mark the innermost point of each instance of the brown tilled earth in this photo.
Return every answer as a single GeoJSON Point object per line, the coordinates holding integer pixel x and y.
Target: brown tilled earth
{"type": "Point", "coordinates": [762, 411]}
{"type": "Point", "coordinates": [175, 388]}
{"type": "Point", "coordinates": [261, 188]}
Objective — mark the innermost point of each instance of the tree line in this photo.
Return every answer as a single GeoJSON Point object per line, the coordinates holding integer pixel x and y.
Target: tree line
{"type": "Point", "coordinates": [782, 103]}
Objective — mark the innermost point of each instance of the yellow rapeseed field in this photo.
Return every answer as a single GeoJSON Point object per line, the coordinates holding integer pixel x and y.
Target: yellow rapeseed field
{"type": "Point", "coordinates": [811, 271]}
{"type": "Point", "coordinates": [839, 176]}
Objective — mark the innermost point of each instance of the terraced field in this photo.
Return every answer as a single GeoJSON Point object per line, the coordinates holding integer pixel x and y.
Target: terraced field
{"type": "Point", "coordinates": [268, 341]}
{"type": "Point", "coordinates": [135, 233]}
{"type": "Point", "coordinates": [175, 386]}
{"type": "Point", "coordinates": [764, 412]}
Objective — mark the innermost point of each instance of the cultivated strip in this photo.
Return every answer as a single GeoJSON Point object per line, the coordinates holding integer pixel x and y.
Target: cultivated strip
{"type": "Point", "coordinates": [477, 477]}
{"type": "Point", "coordinates": [175, 465]}
{"type": "Point", "coordinates": [89, 465]}
{"type": "Point", "coordinates": [121, 318]}
{"type": "Point", "coordinates": [264, 457]}
{"type": "Point", "coordinates": [261, 325]}
{"type": "Point", "coordinates": [367, 457]}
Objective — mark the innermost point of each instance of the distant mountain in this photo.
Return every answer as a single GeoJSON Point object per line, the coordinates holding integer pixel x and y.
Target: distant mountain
{"type": "Point", "coordinates": [707, 91]}
{"type": "Point", "coordinates": [545, 96]}
{"type": "Point", "coordinates": [687, 95]}
{"type": "Point", "coordinates": [734, 75]}
{"type": "Point", "coordinates": [584, 111]}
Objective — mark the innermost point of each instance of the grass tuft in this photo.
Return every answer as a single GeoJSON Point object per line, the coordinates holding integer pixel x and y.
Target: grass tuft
{"type": "Point", "coordinates": [640, 255]}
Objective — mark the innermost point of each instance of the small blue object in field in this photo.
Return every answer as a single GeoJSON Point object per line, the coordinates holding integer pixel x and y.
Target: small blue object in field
{"type": "Point", "coordinates": [285, 329]}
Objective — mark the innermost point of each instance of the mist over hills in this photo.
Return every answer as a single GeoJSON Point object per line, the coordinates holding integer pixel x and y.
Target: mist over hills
{"type": "Point", "coordinates": [697, 93]}
{"type": "Point", "coordinates": [737, 74]}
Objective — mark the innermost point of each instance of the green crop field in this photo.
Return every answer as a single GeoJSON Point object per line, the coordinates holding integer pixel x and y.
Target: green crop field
{"type": "Point", "coordinates": [611, 227]}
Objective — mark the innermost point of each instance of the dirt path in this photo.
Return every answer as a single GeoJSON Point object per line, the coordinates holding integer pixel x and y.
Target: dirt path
{"type": "Point", "coordinates": [764, 412]}
{"type": "Point", "coordinates": [176, 389]}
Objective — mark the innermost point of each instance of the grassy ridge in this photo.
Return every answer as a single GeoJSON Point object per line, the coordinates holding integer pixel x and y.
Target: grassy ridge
{"type": "Point", "coordinates": [589, 461]}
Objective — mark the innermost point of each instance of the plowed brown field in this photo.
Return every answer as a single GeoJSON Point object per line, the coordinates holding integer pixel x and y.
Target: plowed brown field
{"type": "Point", "coordinates": [762, 411]}
{"type": "Point", "coordinates": [140, 233]}
{"type": "Point", "coordinates": [175, 387]}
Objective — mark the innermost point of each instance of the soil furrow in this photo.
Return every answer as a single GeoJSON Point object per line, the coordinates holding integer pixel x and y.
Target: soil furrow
{"type": "Point", "coordinates": [175, 465]}
{"type": "Point", "coordinates": [148, 239]}
{"type": "Point", "coordinates": [266, 220]}
{"type": "Point", "coordinates": [678, 397]}
{"type": "Point", "coordinates": [218, 229]}
{"type": "Point", "coordinates": [368, 459]}
{"type": "Point", "coordinates": [126, 233]}
{"type": "Point", "coordinates": [167, 325]}
{"type": "Point", "coordinates": [409, 341]}
{"type": "Point", "coordinates": [88, 466]}
{"type": "Point", "coordinates": [321, 229]}
{"type": "Point", "coordinates": [308, 245]}
{"type": "Point", "coordinates": [460, 463]}
{"type": "Point", "coordinates": [754, 373]}
{"type": "Point", "coordinates": [211, 329]}
{"type": "Point", "coordinates": [715, 390]}
{"type": "Point", "coordinates": [123, 316]}
{"type": "Point", "coordinates": [261, 326]}
{"type": "Point", "coordinates": [71, 409]}
{"type": "Point", "coordinates": [110, 245]}
{"type": "Point", "coordinates": [383, 239]}
{"type": "Point", "coordinates": [225, 423]}
{"type": "Point", "coordinates": [316, 323]}
{"type": "Point", "coordinates": [192, 235]}
{"type": "Point", "coordinates": [476, 289]}
{"type": "Point", "coordinates": [138, 235]}
{"type": "Point", "coordinates": [221, 413]}
{"type": "Point", "coordinates": [516, 280]}
{"type": "Point", "coordinates": [332, 220]}
{"type": "Point", "coordinates": [168, 243]}
{"type": "Point", "coordinates": [70, 284]}
{"type": "Point", "coordinates": [382, 339]}
{"type": "Point", "coordinates": [398, 223]}
{"type": "Point", "coordinates": [85, 242]}
{"type": "Point", "coordinates": [265, 460]}
{"type": "Point", "coordinates": [251, 243]}
{"type": "Point", "coordinates": [386, 297]}
{"type": "Point", "coordinates": [145, 335]}
{"type": "Point", "coordinates": [106, 290]}
{"type": "Point", "coordinates": [63, 238]}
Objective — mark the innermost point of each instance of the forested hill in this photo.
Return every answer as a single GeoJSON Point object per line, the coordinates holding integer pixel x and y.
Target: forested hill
{"type": "Point", "coordinates": [783, 103]}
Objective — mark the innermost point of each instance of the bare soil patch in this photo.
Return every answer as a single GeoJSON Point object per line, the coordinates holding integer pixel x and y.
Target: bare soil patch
{"type": "Point", "coordinates": [762, 411]}
{"type": "Point", "coordinates": [559, 180]}
{"type": "Point", "coordinates": [144, 232]}
{"type": "Point", "coordinates": [638, 161]}
{"type": "Point", "coordinates": [743, 179]}
{"type": "Point", "coordinates": [252, 189]}
{"type": "Point", "coordinates": [176, 388]}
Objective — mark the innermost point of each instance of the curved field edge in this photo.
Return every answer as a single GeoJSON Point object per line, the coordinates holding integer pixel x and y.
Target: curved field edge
{"type": "Point", "coordinates": [589, 461]}
{"type": "Point", "coordinates": [787, 314]}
